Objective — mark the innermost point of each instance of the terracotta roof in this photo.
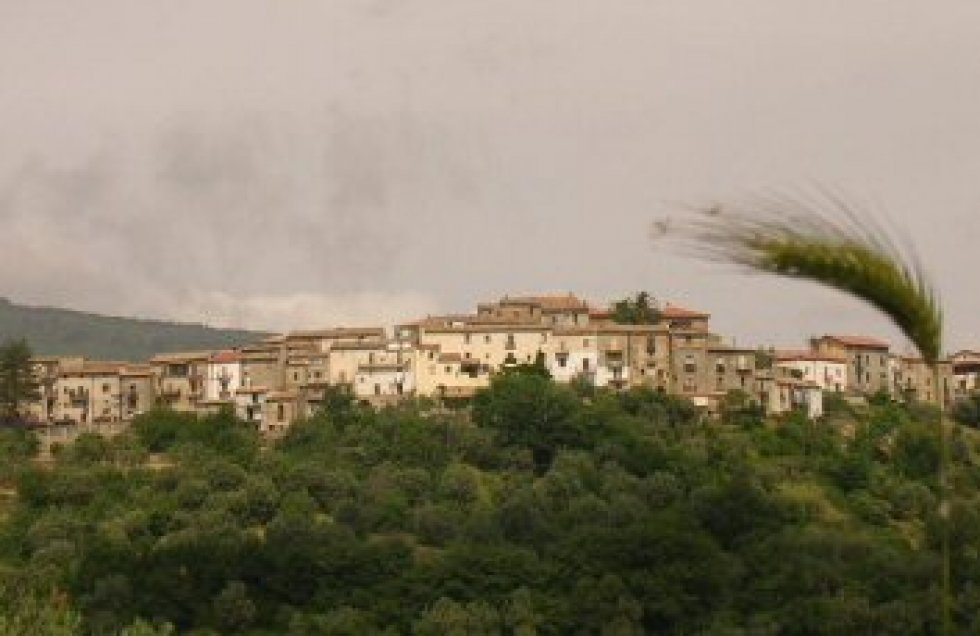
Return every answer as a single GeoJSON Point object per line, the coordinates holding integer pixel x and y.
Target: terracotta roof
{"type": "Point", "coordinates": [857, 342]}
{"type": "Point", "coordinates": [807, 356]}
{"type": "Point", "coordinates": [224, 357]}
{"type": "Point", "coordinates": [549, 302]}
{"type": "Point", "coordinates": [101, 368]}
{"type": "Point", "coordinates": [136, 370]}
{"type": "Point", "coordinates": [675, 312]}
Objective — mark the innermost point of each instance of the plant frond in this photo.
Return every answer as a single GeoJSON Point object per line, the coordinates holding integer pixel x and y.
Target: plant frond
{"type": "Point", "coordinates": [830, 244]}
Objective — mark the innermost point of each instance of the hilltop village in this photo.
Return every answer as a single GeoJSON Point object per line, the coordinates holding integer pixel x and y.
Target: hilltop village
{"type": "Point", "coordinates": [277, 380]}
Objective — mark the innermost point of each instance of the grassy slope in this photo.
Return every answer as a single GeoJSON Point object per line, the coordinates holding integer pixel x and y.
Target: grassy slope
{"type": "Point", "coordinates": [52, 331]}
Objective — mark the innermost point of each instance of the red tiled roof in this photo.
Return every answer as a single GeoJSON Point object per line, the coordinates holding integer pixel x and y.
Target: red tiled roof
{"type": "Point", "coordinates": [673, 312]}
{"type": "Point", "coordinates": [223, 357]}
{"type": "Point", "coordinates": [549, 302]}
{"type": "Point", "coordinates": [858, 342]}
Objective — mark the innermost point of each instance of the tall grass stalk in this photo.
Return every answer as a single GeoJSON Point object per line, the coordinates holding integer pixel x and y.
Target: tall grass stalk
{"type": "Point", "coordinates": [829, 242]}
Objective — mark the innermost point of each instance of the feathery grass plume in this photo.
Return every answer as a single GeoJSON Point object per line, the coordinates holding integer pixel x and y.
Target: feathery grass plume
{"type": "Point", "coordinates": [829, 243]}
{"type": "Point", "coordinates": [837, 248]}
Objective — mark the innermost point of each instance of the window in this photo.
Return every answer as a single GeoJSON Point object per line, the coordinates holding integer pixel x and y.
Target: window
{"type": "Point", "coordinates": [280, 412]}
{"type": "Point", "coordinates": [562, 359]}
{"type": "Point", "coordinates": [449, 369]}
{"type": "Point", "coordinates": [377, 389]}
{"type": "Point", "coordinates": [105, 388]}
{"type": "Point", "coordinates": [486, 339]}
{"type": "Point", "coordinates": [689, 365]}
{"type": "Point", "coordinates": [585, 343]}
{"type": "Point", "coordinates": [585, 364]}
{"type": "Point", "coordinates": [466, 338]}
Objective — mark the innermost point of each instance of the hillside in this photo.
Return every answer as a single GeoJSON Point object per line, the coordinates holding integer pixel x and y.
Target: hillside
{"type": "Point", "coordinates": [52, 331]}
{"type": "Point", "coordinates": [544, 509]}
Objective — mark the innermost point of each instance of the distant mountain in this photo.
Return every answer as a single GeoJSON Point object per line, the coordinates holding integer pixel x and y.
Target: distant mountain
{"type": "Point", "coordinates": [52, 331]}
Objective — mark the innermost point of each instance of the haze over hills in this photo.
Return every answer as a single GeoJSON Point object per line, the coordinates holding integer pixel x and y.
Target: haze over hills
{"type": "Point", "coordinates": [54, 331]}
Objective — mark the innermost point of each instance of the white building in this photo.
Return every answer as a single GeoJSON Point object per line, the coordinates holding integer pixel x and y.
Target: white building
{"type": "Point", "coordinates": [223, 377]}
{"type": "Point", "coordinates": [828, 372]}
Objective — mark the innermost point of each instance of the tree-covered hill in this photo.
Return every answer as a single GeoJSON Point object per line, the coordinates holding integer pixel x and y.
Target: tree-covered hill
{"type": "Point", "coordinates": [543, 509]}
{"type": "Point", "coordinates": [52, 331]}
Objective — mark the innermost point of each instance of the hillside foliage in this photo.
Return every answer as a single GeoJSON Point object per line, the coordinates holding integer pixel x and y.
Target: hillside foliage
{"type": "Point", "coordinates": [538, 511]}
{"type": "Point", "coordinates": [51, 331]}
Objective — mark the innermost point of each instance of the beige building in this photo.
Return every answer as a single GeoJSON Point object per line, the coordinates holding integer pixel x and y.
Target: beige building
{"type": "Point", "coordinates": [90, 394]}
{"type": "Point", "coordinates": [137, 390]}
{"type": "Point", "coordinates": [781, 391]}
{"type": "Point", "coordinates": [180, 379]}
{"type": "Point", "coordinates": [47, 370]}
{"type": "Point", "coordinates": [965, 369]}
{"type": "Point", "coordinates": [868, 361]}
{"type": "Point", "coordinates": [913, 380]}
{"type": "Point", "coordinates": [556, 310]}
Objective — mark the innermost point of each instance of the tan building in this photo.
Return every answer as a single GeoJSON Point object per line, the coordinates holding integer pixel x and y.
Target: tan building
{"type": "Point", "coordinates": [965, 369]}
{"type": "Point", "coordinates": [279, 410]}
{"type": "Point", "coordinates": [557, 310]}
{"type": "Point", "coordinates": [137, 390]}
{"type": "Point", "coordinates": [322, 340]}
{"type": "Point", "coordinates": [913, 380]}
{"type": "Point", "coordinates": [868, 361]}
{"type": "Point", "coordinates": [89, 394]}
{"type": "Point", "coordinates": [180, 379]}
{"type": "Point", "coordinates": [47, 370]}
{"type": "Point", "coordinates": [781, 391]}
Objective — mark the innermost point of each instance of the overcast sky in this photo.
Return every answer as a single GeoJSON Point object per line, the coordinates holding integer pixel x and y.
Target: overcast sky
{"type": "Point", "coordinates": [291, 164]}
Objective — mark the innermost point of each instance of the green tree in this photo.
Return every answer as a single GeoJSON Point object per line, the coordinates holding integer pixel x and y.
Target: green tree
{"type": "Point", "coordinates": [529, 411]}
{"type": "Point", "coordinates": [967, 410]}
{"type": "Point", "coordinates": [18, 384]}
{"type": "Point", "coordinates": [739, 409]}
{"type": "Point", "coordinates": [639, 310]}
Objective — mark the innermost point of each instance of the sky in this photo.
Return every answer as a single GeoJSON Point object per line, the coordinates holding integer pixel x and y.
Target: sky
{"type": "Point", "coordinates": [298, 164]}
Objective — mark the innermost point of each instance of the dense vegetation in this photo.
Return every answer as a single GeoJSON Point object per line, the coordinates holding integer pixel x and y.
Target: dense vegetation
{"type": "Point", "coordinates": [51, 331]}
{"type": "Point", "coordinates": [541, 509]}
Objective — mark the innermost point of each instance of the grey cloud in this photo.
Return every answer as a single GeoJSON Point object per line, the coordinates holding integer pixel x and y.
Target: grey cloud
{"type": "Point", "coordinates": [449, 151]}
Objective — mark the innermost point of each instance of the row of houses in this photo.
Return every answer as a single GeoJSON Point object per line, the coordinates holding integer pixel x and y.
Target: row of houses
{"type": "Point", "coordinates": [279, 379]}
